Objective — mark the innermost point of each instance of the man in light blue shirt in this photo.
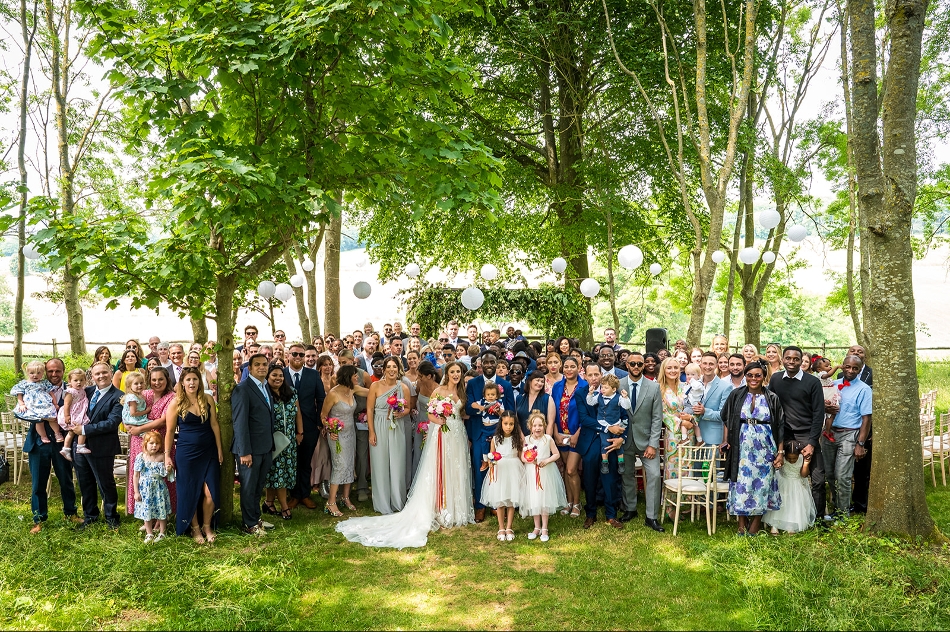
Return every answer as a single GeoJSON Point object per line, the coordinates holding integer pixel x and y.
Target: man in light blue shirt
{"type": "Point", "coordinates": [717, 390]}
{"type": "Point", "coordinates": [850, 429]}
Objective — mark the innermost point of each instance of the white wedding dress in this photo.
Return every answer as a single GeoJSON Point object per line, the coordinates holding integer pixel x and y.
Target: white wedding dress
{"type": "Point", "coordinates": [441, 494]}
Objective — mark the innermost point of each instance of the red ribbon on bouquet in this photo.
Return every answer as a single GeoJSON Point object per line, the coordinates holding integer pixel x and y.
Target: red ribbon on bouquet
{"type": "Point", "coordinates": [537, 477]}
{"type": "Point", "coordinates": [439, 479]}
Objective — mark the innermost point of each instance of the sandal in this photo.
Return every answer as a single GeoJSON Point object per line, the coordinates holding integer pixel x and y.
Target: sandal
{"type": "Point", "coordinates": [285, 514]}
{"type": "Point", "coordinates": [197, 537]}
{"type": "Point", "coordinates": [544, 535]}
{"type": "Point", "coordinates": [509, 535]}
{"type": "Point", "coordinates": [576, 511]}
{"type": "Point", "coordinates": [269, 508]}
{"type": "Point", "coordinates": [209, 535]}
{"type": "Point", "coordinates": [335, 512]}
{"type": "Point", "coordinates": [534, 534]}
{"type": "Point", "coordinates": [501, 535]}
{"type": "Point", "coordinates": [565, 510]}
{"type": "Point", "coordinates": [348, 504]}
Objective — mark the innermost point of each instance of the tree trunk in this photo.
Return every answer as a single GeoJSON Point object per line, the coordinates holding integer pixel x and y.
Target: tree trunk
{"type": "Point", "coordinates": [897, 502]}
{"type": "Point", "coordinates": [610, 272]}
{"type": "Point", "coordinates": [331, 275]}
{"type": "Point", "coordinates": [223, 307]}
{"type": "Point", "coordinates": [299, 297]}
{"type": "Point", "coordinates": [199, 329]}
{"type": "Point", "coordinates": [24, 193]}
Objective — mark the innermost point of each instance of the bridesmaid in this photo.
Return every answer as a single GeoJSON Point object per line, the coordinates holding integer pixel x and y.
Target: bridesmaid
{"type": "Point", "coordinates": [341, 403]}
{"type": "Point", "coordinates": [159, 396]}
{"type": "Point", "coordinates": [553, 363]}
{"type": "Point", "coordinates": [534, 398]}
{"type": "Point", "coordinates": [565, 429]}
{"type": "Point", "coordinates": [387, 447]}
{"type": "Point", "coordinates": [428, 381]}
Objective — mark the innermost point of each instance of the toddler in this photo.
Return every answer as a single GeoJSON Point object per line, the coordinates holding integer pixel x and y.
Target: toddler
{"type": "Point", "coordinates": [134, 408]}
{"type": "Point", "coordinates": [825, 373]}
{"type": "Point", "coordinates": [34, 402]}
{"type": "Point", "coordinates": [695, 389]}
{"type": "Point", "coordinates": [490, 406]}
{"type": "Point", "coordinates": [75, 410]}
{"type": "Point", "coordinates": [611, 411]}
{"type": "Point", "coordinates": [797, 511]}
{"type": "Point", "coordinates": [153, 503]}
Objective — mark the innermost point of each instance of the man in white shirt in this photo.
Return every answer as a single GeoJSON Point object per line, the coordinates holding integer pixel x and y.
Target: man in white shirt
{"type": "Point", "coordinates": [453, 331]}
{"type": "Point", "coordinates": [365, 359]}
{"type": "Point", "coordinates": [737, 370]}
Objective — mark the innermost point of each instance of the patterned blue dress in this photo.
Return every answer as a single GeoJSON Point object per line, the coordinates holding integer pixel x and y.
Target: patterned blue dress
{"type": "Point", "coordinates": [156, 504]}
{"type": "Point", "coordinates": [36, 396]}
{"type": "Point", "coordinates": [755, 489]}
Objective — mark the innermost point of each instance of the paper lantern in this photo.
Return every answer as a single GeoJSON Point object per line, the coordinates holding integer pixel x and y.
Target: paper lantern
{"type": "Point", "coordinates": [362, 290]}
{"type": "Point", "coordinates": [266, 289]}
{"type": "Point", "coordinates": [630, 257]}
{"type": "Point", "coordinates": [748, 255]}
{"type": "Point", "coordinates": [489, 272]}
{"type": "Point", "coordinates": [768, 256]}
{"type": "Point", "coordinates": [283, 292]}
{"type": "Point", "coordinates": [307, 265]}
{"type": "Point", "coordinates": [296, 280]}
{"type": "Point", "coordinates": [559, 265]}
{"type": "Point", "coordinates": [797, 233]}
{"type": "Point", "coordinates": [472, 298]}
{"type": "Point", "coordinates": [590, 288]}
{"type": "Point", "coordinates": [769, 219]}
{"type": "Point", "coordinates": [719, 256]}
{"type": "Point", "coordinates": [30, 252]}
{"type": "Point", "coordinates": [656, 269]}
{"type": "Point", "coordinates": [412, 270]}
{"type": "Point", "coordinates": [361, 260]}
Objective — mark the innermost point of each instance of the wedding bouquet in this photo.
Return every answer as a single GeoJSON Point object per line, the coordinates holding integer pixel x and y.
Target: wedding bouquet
{"type": "Point", "coordinates": [334, 426]}
{"type": "Point", "coordinates": [442, 407]}
{"type": "Point", "coordinates": [423, 428]}
{"type": "Point", "coordinates": [397, 405]}
{"type": "Point", "coordinates": [494, 457]}
{"type": "Point", "coordinates": [531, 454]}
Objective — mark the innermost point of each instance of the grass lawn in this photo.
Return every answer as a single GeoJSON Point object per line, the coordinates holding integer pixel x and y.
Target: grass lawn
{"type": "Point", "coordinates": [303, 575]}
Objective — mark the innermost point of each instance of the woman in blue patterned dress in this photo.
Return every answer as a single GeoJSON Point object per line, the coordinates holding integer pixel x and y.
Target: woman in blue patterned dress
{"type": "Point", "coordinates": [754, 424]}
{"type": "Point", "coordinates": [287, 419]}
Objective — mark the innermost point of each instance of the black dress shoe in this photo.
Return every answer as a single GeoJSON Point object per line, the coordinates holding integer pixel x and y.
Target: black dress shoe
{"type": "Point", "coordinates": [628, 516]}
{"type": "Point", "coordinates": [654, 524]}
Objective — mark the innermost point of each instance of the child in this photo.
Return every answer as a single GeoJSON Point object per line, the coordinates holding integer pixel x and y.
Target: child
{"type": "Point", "coordinates": [611, 411]}
{"type": "Point", "coordinates": [134, 408]}
{"type": "Point", "coordinates": [152, 501]}
{"type": "Point", "coordinates": [825, 373]}
{"type": "Point", "coordinates": [490, 407]}
{"type": "Point", "coordinates": [502, 487]}
{"type": "Point", "coordinates": [75, 410]}
{"type": "Point", "coordinates": [797, 511]}
{"type": "Point", "coordinates": [542, 489]}
{"type": "Point", "coordinates": [34, 402]}
{"type": "Point", "coordinates": [695, 389]}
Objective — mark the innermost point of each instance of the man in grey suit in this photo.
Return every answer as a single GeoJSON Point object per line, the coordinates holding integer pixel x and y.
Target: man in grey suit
{"type": "Point", "coordinates": [643, 440]}
{"type": "Point", "coordinates": [253, 445]}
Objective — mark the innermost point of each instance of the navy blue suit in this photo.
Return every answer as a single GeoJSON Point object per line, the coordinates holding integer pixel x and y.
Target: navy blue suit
{"type": "Point", "coordinates": [96, 470]}
{"type": "Point", "coordinates": [310, 396]}
{"type": "Point", "coordinates": [588, 446]}
{"type": "Point", "coordinates": [44, 457]}
{"type": "Point", "coordinates": [481, 435]}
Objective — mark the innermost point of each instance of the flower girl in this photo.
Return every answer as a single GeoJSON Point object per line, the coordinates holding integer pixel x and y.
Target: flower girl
{"type": "Point", "coordinates": [797, 511]}
{"type": "Point", "coordinates": [542, 490]}
{"type": "Point", "coordinates": [152, 501]}
{"type": "Point", "coordinates": [502, 487]}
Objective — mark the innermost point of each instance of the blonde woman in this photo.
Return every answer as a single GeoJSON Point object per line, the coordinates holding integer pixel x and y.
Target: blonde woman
{"type": "Point", "coordinates": [680, 427]}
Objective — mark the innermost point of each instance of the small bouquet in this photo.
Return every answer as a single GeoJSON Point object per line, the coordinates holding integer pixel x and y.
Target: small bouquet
{"type": "Point", "coordinates": [531, 454]}
{"type": "Point", "coordinates": [491, 459]}
{"type": "Point", "coordinates": [443, 408]}
{"type": "Point", "coordinates": [361, 423]}
{"type": "Point", "coordinates": [334, 426]}
{"type": "Point", "coordinates": [397, 405]}
{"type": "Point", "coordinates": [423, 428]}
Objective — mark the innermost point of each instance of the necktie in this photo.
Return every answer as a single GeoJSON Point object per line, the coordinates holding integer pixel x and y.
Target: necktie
{"type": "Point", "coordinates": [95, 399]}
{"type": "Point", "coordinates": [264, 392]}
{"type": "Point", "coordinates": [297, 381]}
{"type": "Point", "coordinates": [633, 395]}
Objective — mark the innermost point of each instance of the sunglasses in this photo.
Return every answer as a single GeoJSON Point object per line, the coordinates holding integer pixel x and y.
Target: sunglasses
{"type": "Point", "coordinates": [635, 363]}
{"type": "Point", "coordinates": [443, 339]}
{"type": "Point", "coordinates": [297, 354]}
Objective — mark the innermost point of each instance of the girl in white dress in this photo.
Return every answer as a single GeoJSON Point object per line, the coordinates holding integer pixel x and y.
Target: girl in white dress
{"type": "Point", "coordinates": [797, 511]}
{"type": "Point", "coordinates": [542, 490]}
{"type": "Point", "coordinates": [502, 487]}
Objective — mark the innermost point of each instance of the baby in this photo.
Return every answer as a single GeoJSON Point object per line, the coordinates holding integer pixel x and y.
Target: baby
{"type": "Point", "coordinates": [34, 402]}
{"type": "Point", "coordinates": [611, 411]}
{"type": "Point", "coordinates": [490, 406]}
{"type": "Point", "coordinates": [695, 389]}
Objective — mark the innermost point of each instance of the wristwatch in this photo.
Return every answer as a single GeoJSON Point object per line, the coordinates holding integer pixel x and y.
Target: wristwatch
{"type": "Point", "coordinates": [861, 443]}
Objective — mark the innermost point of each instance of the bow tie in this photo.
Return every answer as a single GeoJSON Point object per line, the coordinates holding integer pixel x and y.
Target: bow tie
{"type": "Point", "coordinates": [843, 384]}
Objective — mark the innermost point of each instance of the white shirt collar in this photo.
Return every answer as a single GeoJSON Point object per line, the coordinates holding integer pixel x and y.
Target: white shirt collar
{"type": "Point", "coordinates": [797, 376]}
{"type": "Point", "coordinates": [491, 379]}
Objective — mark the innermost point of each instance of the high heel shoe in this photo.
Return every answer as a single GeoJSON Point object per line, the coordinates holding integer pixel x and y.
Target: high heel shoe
{"type": "Point", "coordinates": [285, 514]}
{"type": "Point", "coordinates": [348, 504]}
{"type": "Point", "coordinates": [269, 508]}
{"type": "Point", "coordinates": [335, 512]}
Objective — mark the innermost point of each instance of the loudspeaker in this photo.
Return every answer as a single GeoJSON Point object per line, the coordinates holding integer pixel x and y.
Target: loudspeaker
{"type": "Point", "coordinates": [656, 339]}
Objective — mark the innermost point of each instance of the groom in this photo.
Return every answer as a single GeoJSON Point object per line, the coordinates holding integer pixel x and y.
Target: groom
{"type": "Point", "coordinates": [479, 434]}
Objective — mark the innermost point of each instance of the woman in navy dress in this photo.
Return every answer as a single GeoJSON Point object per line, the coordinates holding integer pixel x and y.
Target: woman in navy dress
{"type": "Point", "coordinates": [534, 398]}
{"type": "Point", "coordinates": [198, 456]}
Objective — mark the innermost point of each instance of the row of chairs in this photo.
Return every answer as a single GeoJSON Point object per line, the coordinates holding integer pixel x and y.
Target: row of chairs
{"type": "Point", "coordinates": [934, 437]}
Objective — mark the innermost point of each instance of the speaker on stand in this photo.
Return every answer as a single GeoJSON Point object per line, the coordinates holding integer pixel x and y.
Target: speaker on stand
{"type": "Point", "coordinates": [656, 339]}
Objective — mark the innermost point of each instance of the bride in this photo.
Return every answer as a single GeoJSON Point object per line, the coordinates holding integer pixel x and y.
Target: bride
{"type": "Point", "coordinates": [441, 494]}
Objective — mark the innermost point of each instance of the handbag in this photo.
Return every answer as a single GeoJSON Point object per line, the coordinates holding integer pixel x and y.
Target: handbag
{"type": "Point", "coordinates": [4, 469]}
{"type": "Point", "coordinates": [280, 442]}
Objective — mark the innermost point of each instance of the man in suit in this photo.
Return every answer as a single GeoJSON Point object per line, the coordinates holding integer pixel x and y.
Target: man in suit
{"type": "Point", "coordinates": [45, 457]}
{"type": "Point", "coordinates": [606, 358]}
{"type": "Point", "coordinates": [253, 419]}
{"type": "Point", "coordinates": [588, 446]}
{"type": "Point", "coordinates": [479, 434]}
{"type": "Point", "coordinates": [310, 396]}
{"type": "Point", "coordinates": [717, 390]}
{"type": "Point", "coordinates": [176, 353]}
{"type": "Point", "coordinates": [643, 440]}
{"type": "Point", "coordinates": [95, 470]}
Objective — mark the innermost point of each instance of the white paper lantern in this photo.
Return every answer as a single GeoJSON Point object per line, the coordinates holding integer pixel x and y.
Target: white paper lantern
{"type": "Point", "coordinates": [296, 280]}
{"type": "Point", "coordinates": [590, 288]}
{"type": "Point", "coordinates": [489, 272]}
{"type": "Point", "coordinates": [559, 265]}
{"type": "Point", "coordinates": [472, 298]}
{"type": "Point", "coordinates": [769, 219]}
{"type": "Point", "coordinates": [719, 256]}
{"type": "Point", "coordinates": [655, 269]}
{"type": "Point", "coordinates": [266, 289]}
{"type": "Point", "coordinates": [797, 233]}
{"type": "Point", "coordinates": [768, 256]}
{"type": "Point", "coordinates": [412, 270]}
{"type": "Point", "coordinates": [630, 257]}
{"type": "Point", "coordinates": [30, 252]}
{"type": "Point", "coordinates": [361, 260]}
{"type": "Point", "coordinates": [283, 292]}
{"type": "Point", "coordinates": [307, 265]}
{"type": "Point", "coordinates": [748, 255]}
{"type": "Point", "coordinates": [362, 290]}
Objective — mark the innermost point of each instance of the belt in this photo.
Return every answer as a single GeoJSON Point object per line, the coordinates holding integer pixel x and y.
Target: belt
{"type": "Point", "coordinates": [844, 429]}
{"type": "Point", "coordinates": [755, 422]}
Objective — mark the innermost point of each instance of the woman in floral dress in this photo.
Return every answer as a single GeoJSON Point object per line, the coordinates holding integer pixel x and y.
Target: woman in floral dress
{"type": "Point", "coordinates": [679, 426]}
{"type": "Point", "coordinates": [287, 419]}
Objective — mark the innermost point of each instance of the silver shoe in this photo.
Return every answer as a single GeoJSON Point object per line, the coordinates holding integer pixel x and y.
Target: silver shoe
{"type": "Point", "coordinates": [324, 490]}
